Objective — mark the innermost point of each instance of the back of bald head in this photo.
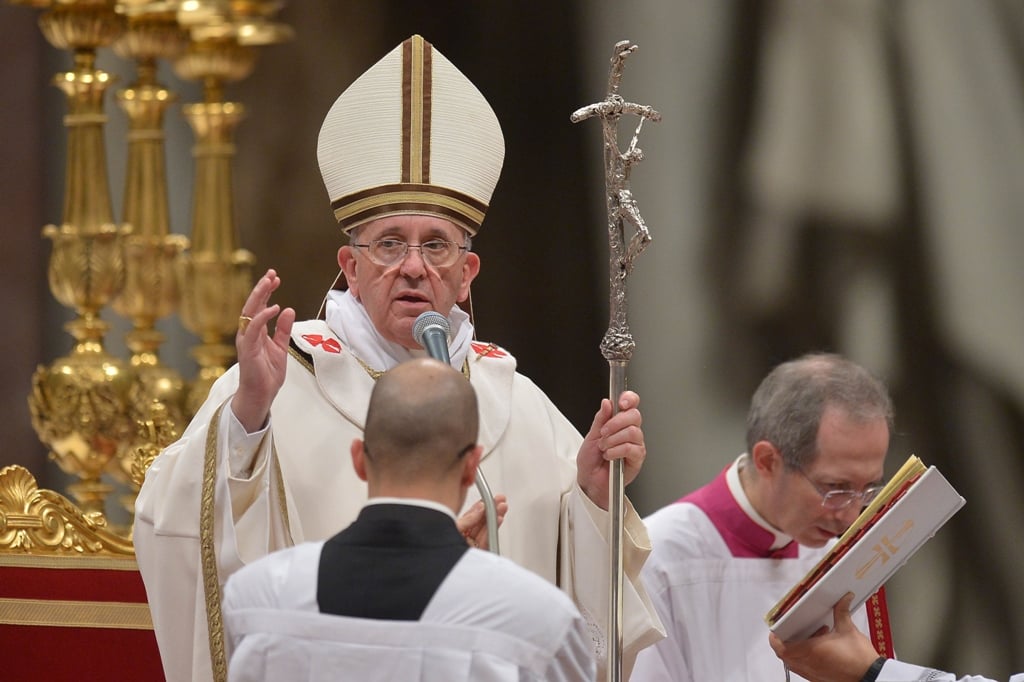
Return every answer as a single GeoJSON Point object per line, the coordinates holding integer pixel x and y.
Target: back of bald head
{"type": "Point", "coordinates": [423, 415]}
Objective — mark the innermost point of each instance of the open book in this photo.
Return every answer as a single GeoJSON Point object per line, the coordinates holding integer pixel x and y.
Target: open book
{"type": "Point", "coordinates": [915, 503]}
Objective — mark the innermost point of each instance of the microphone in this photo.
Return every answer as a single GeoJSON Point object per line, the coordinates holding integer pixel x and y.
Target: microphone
{"type": "Point", "coordinates": [431, 331]}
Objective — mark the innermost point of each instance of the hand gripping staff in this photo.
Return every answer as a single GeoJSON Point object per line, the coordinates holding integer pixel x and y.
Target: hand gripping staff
{"type": "Point", "coordinates": [617, 344]}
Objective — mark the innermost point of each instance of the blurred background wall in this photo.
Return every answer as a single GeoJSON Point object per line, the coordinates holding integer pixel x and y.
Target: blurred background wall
{"type": "Point", "coordinates": [844, 175]}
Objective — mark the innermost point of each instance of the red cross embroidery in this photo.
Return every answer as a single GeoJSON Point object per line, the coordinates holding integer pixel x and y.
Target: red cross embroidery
{"type": "Point", "coordinates": [329, 344]}
{"type": "Point", "coordinates": [488, 350]}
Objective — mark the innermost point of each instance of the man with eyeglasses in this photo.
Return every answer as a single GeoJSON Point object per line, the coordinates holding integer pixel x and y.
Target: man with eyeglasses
{"type": "Point", "coordinates": [398, 594]}
{"type": "Point", "coordinates": [817, 435]}
{"type": "Point", "coordinates": [410, 154]}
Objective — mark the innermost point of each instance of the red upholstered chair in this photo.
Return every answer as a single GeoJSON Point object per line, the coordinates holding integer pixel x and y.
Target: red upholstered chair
{"type": "Point", "coordinates": [72, 602]}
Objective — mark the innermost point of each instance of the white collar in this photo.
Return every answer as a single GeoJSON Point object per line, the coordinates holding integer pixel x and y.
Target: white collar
{"type": "Point", "coordinates": [347, 318]}
{"type": "Point", "coordinates": [732, 478]}
{"type": "Point", "coordinates": [411, 502]}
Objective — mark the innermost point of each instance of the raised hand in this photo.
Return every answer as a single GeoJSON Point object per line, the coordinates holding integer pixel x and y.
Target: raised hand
{"type": "Point", "coordinates": [611, 437]}
{"type": "Point", "coordinates": [262, 358]}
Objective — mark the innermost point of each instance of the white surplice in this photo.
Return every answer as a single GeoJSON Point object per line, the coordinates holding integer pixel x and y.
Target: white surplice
{"type": "Point", "coordinates": [530, 448]}
{"type": "Point", "coordinates": [711, 601]}
{"type": "Point", "coordinates": [489, 621]}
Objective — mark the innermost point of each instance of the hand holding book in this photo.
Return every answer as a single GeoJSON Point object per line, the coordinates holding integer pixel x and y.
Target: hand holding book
{"type": "Point", "coordinates": [915, 503]}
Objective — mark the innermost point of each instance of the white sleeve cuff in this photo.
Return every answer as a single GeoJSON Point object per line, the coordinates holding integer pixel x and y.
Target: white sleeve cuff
{"type": "Point", "coordinates": [242, 447]}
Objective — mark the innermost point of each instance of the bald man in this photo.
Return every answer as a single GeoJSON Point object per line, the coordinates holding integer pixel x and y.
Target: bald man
{"type": "Point", "coordinates": [399, 595]}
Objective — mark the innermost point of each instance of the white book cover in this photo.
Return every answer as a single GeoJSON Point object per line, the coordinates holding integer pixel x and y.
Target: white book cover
{"type": "Point", "coordinates": [882, 548]}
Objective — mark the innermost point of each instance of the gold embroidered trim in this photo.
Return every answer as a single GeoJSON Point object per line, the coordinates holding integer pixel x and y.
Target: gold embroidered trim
{"type": "Point", "coordinates": [208, 553]}
{"type": "Point", "coordinates": [75, 614]}
{"type": "Point", "coordinates": [374, 373]}
{"type": "Point", "coordinates": [59, 561]}
{"type": "Point", "coordinates": [282, 499]}
{"type": "Point", "coordinates": [878, 622]}
{"type": "Point", "coordinates": [377, 374]}
{"type": "Point", "coordinates": [302, 359]}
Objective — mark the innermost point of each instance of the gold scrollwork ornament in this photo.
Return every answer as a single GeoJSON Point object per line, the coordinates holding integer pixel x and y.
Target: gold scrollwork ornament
{"type": "Point", "coordinates": [34, 520]}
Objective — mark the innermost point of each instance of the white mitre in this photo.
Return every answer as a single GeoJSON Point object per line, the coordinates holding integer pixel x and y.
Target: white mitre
{"type": "Point", "coordinates": [412, 135]}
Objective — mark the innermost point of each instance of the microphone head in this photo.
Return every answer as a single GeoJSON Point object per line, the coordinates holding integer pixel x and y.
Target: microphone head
{"type": "Point", "coordinates": [426, 320]}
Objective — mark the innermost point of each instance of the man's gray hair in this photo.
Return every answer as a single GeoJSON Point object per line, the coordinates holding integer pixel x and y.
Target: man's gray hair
{"type": "Point", "coordinates": [787, 407]}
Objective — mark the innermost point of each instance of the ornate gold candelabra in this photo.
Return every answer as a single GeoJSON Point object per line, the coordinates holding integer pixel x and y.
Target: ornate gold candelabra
{"type": "Point", "coordinates": [93, 411]}
{"type": "Point", "coordinates": [216, 272]}
{"type": "Point", "coordinates": [78, 403]}
{"type": "Point", "coordinates": [151, 290]}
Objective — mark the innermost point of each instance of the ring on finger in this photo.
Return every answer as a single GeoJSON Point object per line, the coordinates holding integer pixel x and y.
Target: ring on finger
{"type": "Point", "coordinates": [243, 322]}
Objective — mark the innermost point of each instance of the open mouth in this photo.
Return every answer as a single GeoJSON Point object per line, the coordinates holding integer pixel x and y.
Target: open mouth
{"type": "Point", "coordinates": [411, 297]}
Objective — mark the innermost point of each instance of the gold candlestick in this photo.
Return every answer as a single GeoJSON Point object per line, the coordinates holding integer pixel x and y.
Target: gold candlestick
{"type": "Point", "coordinates": [151, 289]}
{"type": "Point", "coordinates": [78, 402]}
{"type": "Point", "coordinates": [217, 273]}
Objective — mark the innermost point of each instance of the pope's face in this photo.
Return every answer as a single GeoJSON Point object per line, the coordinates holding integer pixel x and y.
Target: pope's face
{"type": "Point", "coordinates": [394, 296]}
{"type": "Point", "coordinates": [851, 456]}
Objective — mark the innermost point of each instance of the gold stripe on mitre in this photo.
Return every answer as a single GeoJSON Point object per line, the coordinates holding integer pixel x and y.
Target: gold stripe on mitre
{"type": "Point", "coordinates": [461, 209]}
{"type": "Point", "coordinates": [416, 110]}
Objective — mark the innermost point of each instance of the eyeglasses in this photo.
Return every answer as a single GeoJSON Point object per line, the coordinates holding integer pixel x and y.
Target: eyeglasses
{"type": "Point", "coordinates": [437, 253]}
{"type": "Point", "coordinates": [841, 499]}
